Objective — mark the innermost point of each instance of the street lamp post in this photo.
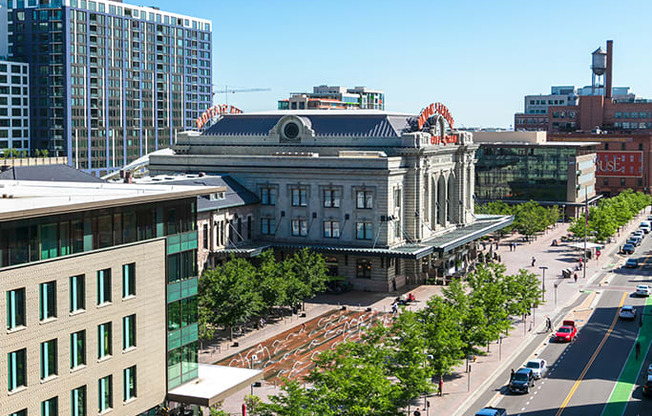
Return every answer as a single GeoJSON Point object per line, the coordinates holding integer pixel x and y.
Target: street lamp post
{"type": "Point", "coordinates": [556, 285]}
{"type": "Point", "coordinates": [543, 282]}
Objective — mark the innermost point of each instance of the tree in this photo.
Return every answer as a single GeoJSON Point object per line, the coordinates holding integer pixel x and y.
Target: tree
{"type": "Point", "coordinates": [489, 293]}
{"type": "Point", "coordinates": [228, 295]}
{"type": "Point", "coordinates": [306, 275]}
{"type": "Point", "coordinates": [523, 292]}
{"type": "Point", "coordinates": [474, 323]}
{"type": "Point", "coordinates": [444, 344]}
{"type": "Point", "coordinates": [271, 283]}
{"type": "Point", "coordinates": [530, 218]}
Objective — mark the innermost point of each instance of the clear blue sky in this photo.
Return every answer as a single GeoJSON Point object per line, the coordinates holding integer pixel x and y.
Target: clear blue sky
{"type": "Point", "coordinates": [478, 57]}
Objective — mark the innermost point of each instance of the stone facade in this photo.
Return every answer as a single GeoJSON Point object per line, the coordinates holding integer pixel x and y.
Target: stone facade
{"type": "Point", "coordinates": [361, 186]}
{"type": "Point", "coordinates": [148, 305]}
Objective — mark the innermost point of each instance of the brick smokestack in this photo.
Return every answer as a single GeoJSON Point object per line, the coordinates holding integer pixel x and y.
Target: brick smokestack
{"type": "Point", "coordinates": [610, 61]}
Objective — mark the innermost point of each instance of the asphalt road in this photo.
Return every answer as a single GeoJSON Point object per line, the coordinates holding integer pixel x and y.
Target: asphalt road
{"type": "Point", "coordinates": [582, 375]}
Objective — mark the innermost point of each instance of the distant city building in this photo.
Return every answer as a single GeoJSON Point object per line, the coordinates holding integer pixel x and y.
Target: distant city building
{"type": "Point", "coordinates": [14, 106]}
{"type": "Point", "coordinates": [517, 167]}
{"type": "Point", "coordinates": [110, 81]}
{"type": "Point", "coordinates": [4, 38]}
{"type": "Point", "coordinates": [326, 97]}
{"type": "Point", "coordinates": [386, 197]}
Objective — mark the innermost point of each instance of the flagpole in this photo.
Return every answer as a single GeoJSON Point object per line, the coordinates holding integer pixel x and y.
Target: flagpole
{"type": "Point", "coordinates": [586, 224]}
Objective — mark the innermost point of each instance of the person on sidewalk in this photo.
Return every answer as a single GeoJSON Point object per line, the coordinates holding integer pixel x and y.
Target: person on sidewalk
{"type": "Point", "coordinates": [533, 261]}
{"type": "Point", "coordinates": [441, 386]}
{"type": "Point", "coordinates": [548, 324]}
{"type": "Point", "coordinates": [417, 412]}
{"type": "Point", "coordinates": [575, 277]}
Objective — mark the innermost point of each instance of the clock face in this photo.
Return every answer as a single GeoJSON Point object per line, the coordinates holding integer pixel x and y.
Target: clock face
{"type": "Point", "coordinates": [291, 132]}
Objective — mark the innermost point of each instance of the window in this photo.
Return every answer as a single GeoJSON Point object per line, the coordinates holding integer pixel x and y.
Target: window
{"type": "Point", "coordinates": [268, 196]}
{"type": "Point", "coordinates": [331, 229]}
{"type": "Point", "coordinates": [205, 237]}
{"type": "Point", "coordinates": [364, 199]}
{"type": "Point", "coordinates": [15, 308]}
{"type": "Point", "coordinates": [397, 198]}
{"type": "Point", "coordinates": [105, 393]}
{"type": "Point", "coordinates": [103, 286]}
{"type": "Point", "coordinates": [77, 293]}
{"type": "Point", "coordinates": [50, 407]}
{"type": "Point", "coordinates": [78, 401]}
{"type": "Point", "coordinates": [622, 181]}
{"type": "Point", "coordinates": [299, 197]}
{"type": "Point", "coordinates": [48, 359]}
{"type": "Point", "coordinates": [299, 227]}
{"type": "Point", "coordinates": [267, 226]}
{"type": "Point", "coordinates": [363, 230]}
{"type": "Point", "coordinates": [128, 280]}
{"type": "Point", "coordinates": [77, 349]}
{"type": "Point", "coordinates": [129, 383]}
{"type": "Point", "coordinates": [47, 300]}
{"type": "Point", "coordinates": [19, 413]}
{"type": "Point", "coordinates": [17, 369]}
{"type": "Point", "coordinates": [104, 340]}
{"type": "Point", "coordinates": [363, 269]}
{"type": "Point", "coordinates": [332, 198]}
{"type": "Point", "coordinates": [128, 332]}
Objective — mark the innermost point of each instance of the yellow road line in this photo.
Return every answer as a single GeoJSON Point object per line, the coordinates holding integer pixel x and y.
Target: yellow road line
{"type": "Point", "coordinates": [588, 365]}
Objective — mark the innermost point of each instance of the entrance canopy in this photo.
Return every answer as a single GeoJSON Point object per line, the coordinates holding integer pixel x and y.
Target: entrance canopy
{"type": "Point", "coordinates": [483, 225]}
{"type": "Point", "coordinates": [580, 246]}
{"type": "Point", "coordinates": [214, 384]}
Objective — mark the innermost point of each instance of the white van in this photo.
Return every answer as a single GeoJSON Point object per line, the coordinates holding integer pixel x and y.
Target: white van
{"type": "Point", "coordinates": [645, 226]}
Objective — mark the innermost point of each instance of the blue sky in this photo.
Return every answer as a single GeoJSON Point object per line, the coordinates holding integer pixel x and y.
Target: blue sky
{"type": "Point", "coordinates": [478, 57]}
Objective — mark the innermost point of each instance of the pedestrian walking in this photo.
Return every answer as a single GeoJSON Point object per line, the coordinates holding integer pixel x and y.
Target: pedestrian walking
{"type": "Point", "coordinates": [511, 377]}
{"type": "Point", "coordinates": [511, 246]}
{"type": "Point", "coordinates": [515, 244]}
{"type": "Point", "coordinates": [394, 307]}
{"type": "Point", "coordinates": [638, 349]}
{"type": "Point", "coordinates": [441, 386]}
{"type": "Point", "coordinates": [575, 277]}
{"type": "Point", "coordinates": [548, 324]}
{"type": "Point", "coordinates": [417, 412]}
{"type": "Point", "coordinates": [533, 261]}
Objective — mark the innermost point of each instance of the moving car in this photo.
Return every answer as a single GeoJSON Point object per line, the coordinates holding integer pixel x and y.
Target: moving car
{"type": "Point", "coordinates": [647, 387]}
{"type": "Point", "coordinates": [492, 411]}
{"type": "Point", "coordinates": [628, 248]}
{"type": "Point", "coordinates": [522, 381]}
{"type": "Point", "coordinates": [538, 367]}
{"type": "Point", "coordinates": [643, 290]}
{"type": "Point", "coordinates": [627, 312]}
{"type": "Point", "coordinates": [631, 263]}
{"type": "Point", "coordinates": [567, 332]}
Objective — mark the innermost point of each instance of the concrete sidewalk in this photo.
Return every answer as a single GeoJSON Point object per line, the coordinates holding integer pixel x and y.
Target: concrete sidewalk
{"type": "Point", "coordinates": [459, 394]}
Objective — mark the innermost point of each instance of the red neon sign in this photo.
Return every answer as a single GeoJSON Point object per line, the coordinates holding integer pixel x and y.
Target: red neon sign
{"type": "Point", "coordinates": [431, 110]}
{"type": "Point", "coordinates": [215, 111]}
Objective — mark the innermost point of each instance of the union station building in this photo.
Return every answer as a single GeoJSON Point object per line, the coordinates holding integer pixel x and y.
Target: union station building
{"type": "Point", "coordinates": [387, 198]}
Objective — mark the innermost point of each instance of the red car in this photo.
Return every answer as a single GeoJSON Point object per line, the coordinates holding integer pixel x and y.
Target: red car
{"type": "Point", "coordinates": [567, 332]}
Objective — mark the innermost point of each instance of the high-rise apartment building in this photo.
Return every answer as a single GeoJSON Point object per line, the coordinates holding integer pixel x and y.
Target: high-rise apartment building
{"type": "Point", "coordinates": [98, 288]}
{"type": "Point", "coordinates": [110, 81]}
{"type": "Point", "coordinates": [14, 106]}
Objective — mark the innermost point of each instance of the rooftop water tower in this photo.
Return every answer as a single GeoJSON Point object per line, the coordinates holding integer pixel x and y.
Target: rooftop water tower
{"type": "Point", "coordinates": [598, 67]}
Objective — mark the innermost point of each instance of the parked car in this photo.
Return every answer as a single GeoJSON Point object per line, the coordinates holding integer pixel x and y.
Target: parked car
{"type": "Point", "coordinates": [637, 240]}
{"type": "Point", "coordinates": [638, 233]}
{"type": "Point", "coordinates": [522, 381]}
{"type": "Point", "coordinates": [492, 411]}
{"type": "Point", "coordinates": [567, 332]}
{"type": "Point", "coordinates": [628, 248]}
{"type": "Point", "coordinates": [649, 217]}
{"type": "Point", "coordinates": [643, 290]}
{"type": "Point", "coordinates": [647, 387]}
{"type": "Point", "coordinates": [645, 226]}
{"type": "Point", "coordinates": [538, 367]}
{"type": "Point", "coordinates": [631, 263]}
{"type": "Point", "coordinates": [628, 312]}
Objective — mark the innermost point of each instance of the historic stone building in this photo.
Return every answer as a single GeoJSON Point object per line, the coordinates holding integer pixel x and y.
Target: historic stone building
{"type": "Point", "coordinates": [387, 197]}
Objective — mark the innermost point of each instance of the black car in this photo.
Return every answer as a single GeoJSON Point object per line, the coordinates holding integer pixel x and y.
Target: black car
{"type": "Point", "coordinates": [522, 380]}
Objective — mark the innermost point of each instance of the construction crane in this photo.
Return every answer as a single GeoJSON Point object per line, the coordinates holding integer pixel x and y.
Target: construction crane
{"type": "Point", "coordinates": [228, 90]}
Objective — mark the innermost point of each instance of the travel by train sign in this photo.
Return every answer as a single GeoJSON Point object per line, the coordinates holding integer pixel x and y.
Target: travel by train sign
{"type": "Point", "coordinates": [440, 113]}
{"type": "Point", "coordinates": [215, 111]}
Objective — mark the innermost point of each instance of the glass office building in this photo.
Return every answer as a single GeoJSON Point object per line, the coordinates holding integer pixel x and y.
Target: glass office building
{"type": "Point", "coordinates": [110, 81]}
{"type": "Point", "coordinates": [523, 172]}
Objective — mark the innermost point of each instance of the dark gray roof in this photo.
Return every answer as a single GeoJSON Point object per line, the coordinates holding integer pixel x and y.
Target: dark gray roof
{"type": "Point", "coordinates": [236, 194]}
{"type": "Point", "coordinates": [53, 173]}
{"type": "Point", "coordinates": [330, 123]}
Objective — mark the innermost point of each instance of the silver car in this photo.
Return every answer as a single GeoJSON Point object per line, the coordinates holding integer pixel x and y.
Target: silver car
{"type": "Point", "coordinates": [538, 367]}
